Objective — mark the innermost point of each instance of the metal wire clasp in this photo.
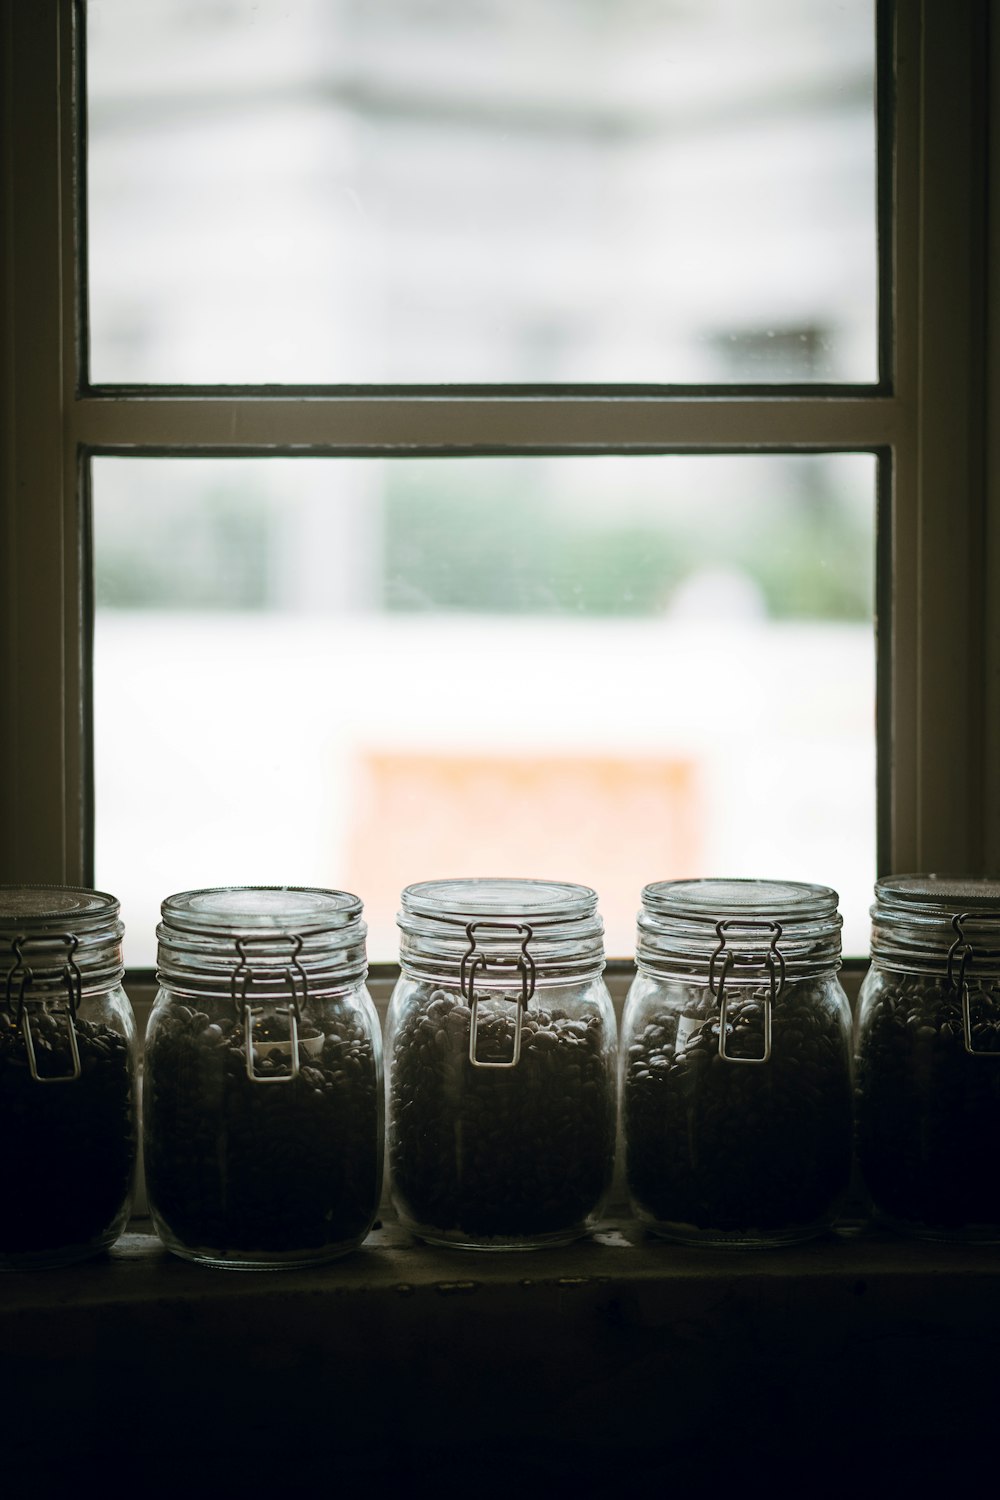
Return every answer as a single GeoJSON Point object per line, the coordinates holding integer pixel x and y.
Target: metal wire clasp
{"type": "Point", "coordinates": [962, 953]}
{"type": "Point", "coordinates": [73, 980]}
{"type": "Point", "coordinates": [473, 960]}
{"type": "Point", "coordinates": [773, 961]}
{"type": "Point", "coordinates": [297, 981]}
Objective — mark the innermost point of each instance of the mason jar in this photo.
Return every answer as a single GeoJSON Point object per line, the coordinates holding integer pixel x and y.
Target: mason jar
{"type": "Point", "coordinates": [67, 1076]}
{"type": "Point", "coordinates": [736, 1064]}
{"type": "Point", "coordinates": [501, 1045]}
{"type": "Point", "coordinates": [262, 1101]}
{"type": "Point", "coordinates": [927, 1042]}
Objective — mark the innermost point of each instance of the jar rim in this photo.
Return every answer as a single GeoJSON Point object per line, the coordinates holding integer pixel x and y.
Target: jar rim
{"type": "Point", "coordinates": [945, 893]}
{"type": "Point", "coordinates": [464, 898]}
{"type": "Point", "coordinates": [53, 907]}
{"type": "Point", "coordinates": [260, 909]}
{"type": "Point", "coordinates": [713, 898]}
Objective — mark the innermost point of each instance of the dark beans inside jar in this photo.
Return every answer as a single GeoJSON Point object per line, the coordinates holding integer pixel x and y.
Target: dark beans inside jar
{"type": "Point", "coordinates": [928, 1112]}
{"type": "Point", "coordinates": [503, 1153]}
{"type": "Point", "coordinates": [239, 1165]}
{"type": "Point", "coordinates": [716, 1144]}
{"type": "Point", "coordinates": [69, 1146]}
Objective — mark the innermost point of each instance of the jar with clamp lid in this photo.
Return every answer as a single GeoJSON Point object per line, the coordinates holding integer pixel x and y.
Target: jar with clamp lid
{"type": "Point", "coordinates": [67, 1076]}
{"type": "Point", "coordinates": [262, 1105]}
{"type": "Point", "coordinates": [927, 1058]}
{"type": "Point", "coordinates": [736, 1084]}
{"type": "Point", "coordinates": [501, 1046]}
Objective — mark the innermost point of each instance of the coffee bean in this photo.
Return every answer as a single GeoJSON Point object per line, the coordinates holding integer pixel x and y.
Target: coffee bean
{"type": "Point", "coordinates": [271, 1165]}
{"type": "Point", "coordinates": [928, 1111]}
{"type": "Point", "coordinates": [71, 1146]}
{"type": "Point", "coordinates": [717, 1145]}
{"type": "Point", "coordinates": [499, 1154]}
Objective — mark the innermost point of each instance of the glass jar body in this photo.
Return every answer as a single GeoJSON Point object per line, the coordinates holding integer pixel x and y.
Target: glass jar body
{"type": "Point", "coordinates": [501, 1157]}
{"type": "Point", "coordinates": [251, 1162]}
{"type": "Point", "coordinates": [71, 1140]}
{"type": "Point", "coordinates": [927, 1106]}
{"type": "Point", "coordinates": [721, 1146]}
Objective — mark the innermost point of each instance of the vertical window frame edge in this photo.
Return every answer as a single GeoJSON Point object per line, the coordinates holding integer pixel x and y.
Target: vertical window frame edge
{"type": "Point", "coordinates": [41, 803]}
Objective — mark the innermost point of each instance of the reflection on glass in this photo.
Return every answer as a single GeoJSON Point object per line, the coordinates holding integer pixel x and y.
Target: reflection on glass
{"type": "Point", "coordinates": [511, 191]}
{"type": "Point", "coordinates": [363, 673]}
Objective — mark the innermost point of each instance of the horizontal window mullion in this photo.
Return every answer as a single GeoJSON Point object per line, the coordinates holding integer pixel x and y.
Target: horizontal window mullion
{"type": "Point", "coordinates": [260, 424]}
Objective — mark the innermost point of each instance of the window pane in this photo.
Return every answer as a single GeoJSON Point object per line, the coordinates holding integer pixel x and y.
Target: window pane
{"type": "Point", "coordinates": [361, 673]}
{"type": "Point", "coordinates": [423, 191]}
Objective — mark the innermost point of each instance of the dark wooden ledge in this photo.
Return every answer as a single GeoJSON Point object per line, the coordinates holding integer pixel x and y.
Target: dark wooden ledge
{"type": "Point", "coordinates": [619, 1356]}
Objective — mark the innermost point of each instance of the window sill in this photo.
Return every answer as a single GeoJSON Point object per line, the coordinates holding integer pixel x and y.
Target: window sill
{"type": "Point", "coordinates": [404, 1359]}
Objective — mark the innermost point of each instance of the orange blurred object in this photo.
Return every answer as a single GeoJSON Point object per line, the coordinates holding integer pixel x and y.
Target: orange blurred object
{"type": "Point", "coordinates": [606, 821]}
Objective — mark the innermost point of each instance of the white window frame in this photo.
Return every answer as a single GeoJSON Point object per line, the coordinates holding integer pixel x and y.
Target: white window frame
{"type": "Point", "coordinates": [927, 420]}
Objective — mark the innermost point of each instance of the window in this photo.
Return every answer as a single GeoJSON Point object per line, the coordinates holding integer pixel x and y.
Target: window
{"type": "Point", "coordinates": [767, 391]}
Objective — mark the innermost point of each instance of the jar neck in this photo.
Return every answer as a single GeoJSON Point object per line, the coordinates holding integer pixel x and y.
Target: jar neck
{"type": "Point", "coordinates": [267, 971]}
{"type": "Point", "coordinates": [502, 969]}
{"type": "Point", "coordinates": [950, 944]}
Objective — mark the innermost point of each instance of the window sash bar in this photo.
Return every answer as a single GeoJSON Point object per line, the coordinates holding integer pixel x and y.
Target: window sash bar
{"type": "Point", "coordinates": [359, 424]}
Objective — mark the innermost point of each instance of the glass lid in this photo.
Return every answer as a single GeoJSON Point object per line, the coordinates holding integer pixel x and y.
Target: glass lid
{"type": "Point", "coordinates": [956, 892]}
{"type": "Point", "coordinates": [711, 899]}
{"type": "Point", "coordinates": [260, 909]}
{"type": "Point", "coordinates": [541, 901]}
{"type": "Point", "coordinates": [56, 906]}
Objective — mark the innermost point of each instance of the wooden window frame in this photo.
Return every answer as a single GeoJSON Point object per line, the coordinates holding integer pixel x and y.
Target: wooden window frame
{"type": "Point", "coordinates": [927, 420]}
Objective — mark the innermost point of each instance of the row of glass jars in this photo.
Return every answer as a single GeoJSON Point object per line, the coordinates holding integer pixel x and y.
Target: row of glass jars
{"type": "Point", "coordinates": [263, 1086]}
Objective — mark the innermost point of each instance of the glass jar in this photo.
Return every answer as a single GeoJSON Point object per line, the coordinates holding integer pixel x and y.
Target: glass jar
{"type": "Point", "coordinates": [262, 1104]}
{"type": "Point", "coordinates": [501, 1041]}
{"type": "Point", "coordinates": [67, 1076]}
{"type": "Point", "coordinates": [736, 1080]}
{"type": "Point", "coordinates": [927, 1044]}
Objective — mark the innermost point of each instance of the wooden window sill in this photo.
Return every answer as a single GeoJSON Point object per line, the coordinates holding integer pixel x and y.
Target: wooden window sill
{"type": "Point", "coordinates": [407, 1359]}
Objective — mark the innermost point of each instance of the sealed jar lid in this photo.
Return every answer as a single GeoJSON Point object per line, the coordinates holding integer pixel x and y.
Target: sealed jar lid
{"type": "Point", "coordinates": [683, 923]}
{"type": "Point", "coordinates": [939, 894]}
{"type": "Point", "coordinates": [917, 920]}
{"type": "Point", "coordinates": [553, 924]}
{"type": "Point", "coordinates": [45, 930]}
{"type": "Point", "coordinates": [223, 938]}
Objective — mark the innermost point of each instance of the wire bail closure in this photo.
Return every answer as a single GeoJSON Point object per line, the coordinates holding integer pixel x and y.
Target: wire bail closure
{"type": "Point", "coordinates": [295, 978]}
{"type": "Point", "coordinates": [773, 961]}
{"type": "Point", "coordinates": [962, 953]}
{"type": "Point", "coordinates": [73, 981]}
{"type": "Point", "coordinates": [475, 961]}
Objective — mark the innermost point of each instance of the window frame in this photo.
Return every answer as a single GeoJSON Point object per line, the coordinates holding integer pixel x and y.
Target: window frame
{"type": "Point", "coordinates": [926, 420]}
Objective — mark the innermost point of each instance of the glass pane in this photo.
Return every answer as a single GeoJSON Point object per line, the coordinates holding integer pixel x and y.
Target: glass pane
{"type": "Point", "coordinates": [423, 191]}
{"type": "Point", "coordinates": [361, 673]}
